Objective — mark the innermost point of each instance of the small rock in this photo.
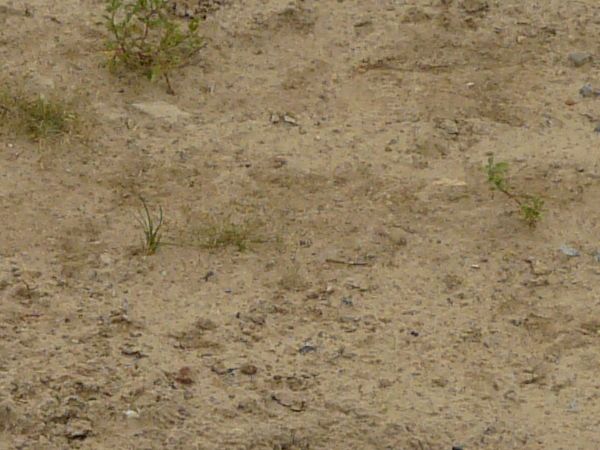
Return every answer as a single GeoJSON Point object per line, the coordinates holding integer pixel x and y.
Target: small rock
{"type": "Point", "coordinates": [208, 275]}
{"type": "Point", "coordinates": [305, 243]}
{"type": "Point", "coordinates": [184, 376]}
{"type": "Point", "coordinates": [579, 59]}
{"type": "Point", "coordinates": [131, 414]}
{"type": "Point", "coordinates": [597, 129]}
{"type": "Point", "coordinates": [538, 268]}
{"type": "Point", "coordinates": [363, 23]}
{"type": "Point", "coordinates": [384, 383]}
{"type": "Point", "coordinates": [78, 429]}
{"type": "Point", "coordinates": [390, 145]}
{"type": "Point", "coordinates": [587, 90]}
{"type": "Point", "coordinates": [347, 301]}
{"type": "Point", "coordinates": [285, 118]}
{"type": "Point", "coordinates": [569, 251]}
{"type": "Point", "coordinates": [449, 126]}
{"type": "Point", "coordinates": [307, 349]}
{"type": "Point", "coordinates": [220, 369]}
{"type": "Point", "coordinates": [130, 350]}
{"type": "Point", "coordinates": [290, 400]}
{"type": "Point", "coordinates": [445, 189]}
{"type": "Point", "coordinates": [106, 259]}
{"type": "Point", "coordinates": [289, 119]}
{"type": "Point", "coordinates": [248, 369]}
{"type": "Point", "coordinates": [162, 110]}
{"type": "Point", "coordinates": [205, 324]}
{"type": "Point", "coordinates": [597, 255]}
{"type": "Point", "coordinates": [278, 162]}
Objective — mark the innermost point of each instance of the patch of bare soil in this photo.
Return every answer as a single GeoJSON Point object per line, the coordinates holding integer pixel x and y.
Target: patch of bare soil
{"type": "Point", "coordinates": [336, 273]}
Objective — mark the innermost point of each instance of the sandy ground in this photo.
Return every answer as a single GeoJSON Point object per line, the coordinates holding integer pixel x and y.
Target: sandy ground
{"type": "Point", "coordinates": [387, 300]}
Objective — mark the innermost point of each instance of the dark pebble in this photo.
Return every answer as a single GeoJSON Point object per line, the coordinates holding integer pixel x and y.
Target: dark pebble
{"type": "Point", "coordinates": [347, 301]}
{"type": "Point", "coordinates": [588, 91]}
{"type": "Point", "coordinates": [579, 59]}
{"type": "Point", "coordinates": [248, 369]}
{"type": "Point", "coordinates": [307, 349]}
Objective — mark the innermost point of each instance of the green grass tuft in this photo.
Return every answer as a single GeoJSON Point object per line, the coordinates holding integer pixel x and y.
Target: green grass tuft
{"type": "Point", "coordinates": [40, 118]}
{"type": "Point", "coordinates": [144, 38]}
{"type": "Point", "coordinates": [530, 206]}
{"type": "Point", "coordinates": [223, 234]}
{"type": "Point", "coordinates": [151, 227]}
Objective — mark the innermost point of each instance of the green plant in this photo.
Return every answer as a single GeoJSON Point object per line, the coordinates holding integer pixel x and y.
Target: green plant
{"type": "Point", "coordinates": [144, 38]}
{"type": "Point", "coordinates": [530, 206]}
{"type": "Point", "coordinates": [292, 278]}
{"type": "Point", "coordinates": [221, 234]}
{"type": "Point", "coordinates": [40, 118]}
{"type": "Point", "coordinates": [151, 228]}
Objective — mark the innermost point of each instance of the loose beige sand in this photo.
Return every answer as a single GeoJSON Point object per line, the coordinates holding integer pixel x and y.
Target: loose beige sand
{"type": "Point", "coordinates": [388, 299]}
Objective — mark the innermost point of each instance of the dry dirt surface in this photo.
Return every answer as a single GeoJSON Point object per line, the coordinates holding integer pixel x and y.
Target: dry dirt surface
{"type": "Point", "coordinates": [376, 294]}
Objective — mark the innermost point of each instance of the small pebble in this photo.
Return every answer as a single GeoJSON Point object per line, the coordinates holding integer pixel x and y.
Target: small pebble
{"type": "Point", "coordinates": [449, 126]}
{"type": "Point", "coordinates": [248, 369]}
{"type": "Point", "coordinates": [384, 383]}
{"type": "Point", "coordinates": [569, 251]}
{"type": "Point", "coordinates": [587, 90]}
{"type": "Point", "coordinates": [131, 414]}
{"type": "Point", "coordinates": [347, 301]}
{"type": "Point", "coordinates": [579, 59]}
{"type": "Point", "coordinates": [78, 429]}
{"type": "Point", "coordinates": [289, 119]}
{"type": "Point", "coordinates": [573, 406]}
{"type": "Point", "coordinates": [307, 349]}
{"type": "Point", "coordinates": [185, 376]}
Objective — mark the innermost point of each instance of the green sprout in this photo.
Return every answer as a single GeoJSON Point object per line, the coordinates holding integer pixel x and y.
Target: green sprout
{"type": "Point", "coordinates": [151, 228]}
{"type": "Point", "coordinates": [40, 118]}
{"type": "Point", "coordinates": [530, 206]}
{"type": "Point", "coordinates": [145, 39]}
